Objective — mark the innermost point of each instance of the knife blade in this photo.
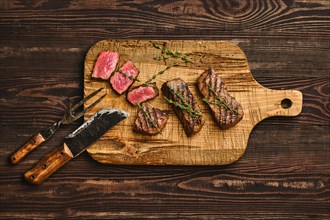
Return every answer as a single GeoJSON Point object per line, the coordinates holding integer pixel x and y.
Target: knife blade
{"type": "Point", "coordinates": [70, 116]}
{"type": "Point", "coordinates": [75, 143]}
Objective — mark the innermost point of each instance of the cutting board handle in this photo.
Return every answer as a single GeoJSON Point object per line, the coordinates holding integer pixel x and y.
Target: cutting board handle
{"type": "Point", "coordinates": [280, 103]}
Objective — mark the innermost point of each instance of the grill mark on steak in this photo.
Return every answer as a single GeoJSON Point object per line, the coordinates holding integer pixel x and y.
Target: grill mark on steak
{"type": "Point", "coordinates": [145, 122]}
{"type": "Point", "coordinates": [143, 125]}
{"type": "Point", "coordinates": [192, 124]}
{"type": "Point", "coordinates": [224, 117]}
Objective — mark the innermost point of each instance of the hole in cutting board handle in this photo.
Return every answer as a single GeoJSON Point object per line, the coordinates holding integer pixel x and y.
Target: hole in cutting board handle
{"type": "Point", "coordinates": [286, 103]}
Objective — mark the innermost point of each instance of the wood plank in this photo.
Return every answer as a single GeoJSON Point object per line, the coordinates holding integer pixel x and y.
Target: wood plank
{"type": "Point", "coordinates": [271, 17]}
{"type": "Point", "coordinates": [287, 45]}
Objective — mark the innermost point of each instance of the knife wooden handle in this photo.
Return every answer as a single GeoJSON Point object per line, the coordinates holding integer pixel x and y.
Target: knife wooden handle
{"type": "Point", "coordinates": [27, 148]}
{"type": "Point", "coordinates": [50, 163]}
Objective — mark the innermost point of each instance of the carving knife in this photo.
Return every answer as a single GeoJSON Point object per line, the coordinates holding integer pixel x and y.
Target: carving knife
{"type": "Point", "coordinates": [75, 143]}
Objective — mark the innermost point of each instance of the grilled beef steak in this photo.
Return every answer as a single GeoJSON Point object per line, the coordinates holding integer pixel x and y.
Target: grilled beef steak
{"type": "Point", "coordinates": [150, 120]}
{"type": "Point", "coordinates": [142, 93]}
{"type": "Point", "coordinates": [185, 106]}
{"type": "Point", "coordinates": [225, 109]}
{"type": "Point", "coordinates": [105, 64]}
{"type": "Point", "coordinates": [124, 78]}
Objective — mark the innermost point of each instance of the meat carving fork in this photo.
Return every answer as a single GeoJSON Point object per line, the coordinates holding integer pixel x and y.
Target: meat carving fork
{"type": "Point", "coordinates": [70, 116]}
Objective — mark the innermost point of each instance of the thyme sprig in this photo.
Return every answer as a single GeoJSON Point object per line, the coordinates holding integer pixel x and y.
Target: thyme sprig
{"type": "Point", "coordinates": [219, 102]}
{"type": "Point", "coordinates": [167, 54]}
{"type": "Point", "coordinates": [158, 74]}
{"type": "Point", "coordinates": [184, 105]}
{"type": "Point", "coordinates": [152, 122]}
{"type": "Point", "coordinates": [125, 74]}
{"type": "Point", "coordinates": [156, 45]}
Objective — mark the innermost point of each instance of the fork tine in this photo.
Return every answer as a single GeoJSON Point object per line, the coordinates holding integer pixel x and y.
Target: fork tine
{"type": "Point", "coordinates": [78, 115]}
{"type": "Point", "coordinates": [85, 99]}
{"type": "Point", "coordinates": [95, 103]}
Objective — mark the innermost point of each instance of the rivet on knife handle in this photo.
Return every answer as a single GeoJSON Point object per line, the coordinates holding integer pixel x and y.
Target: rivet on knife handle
{"type": "Point", "coordinates": [49, 164]}
{"type": "Point", "coordinates": [26, 148]}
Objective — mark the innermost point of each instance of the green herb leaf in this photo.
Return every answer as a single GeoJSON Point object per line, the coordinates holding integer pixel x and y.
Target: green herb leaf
{"type": "Point", "coordinates": [184, 105]}
{"type": "Point", "coordinates": [186, 60]}
{"type": "Point", "coordinates": [130, 77]}
{"type": "Point", "coordinates": [158, 74]}
{"type": "Point", "coordinates": [219, 102]}
{"type": "Point", "coordinates": [152, 122]}
{"type": "Point", "coordinates": [156, 45]}
{"type": "Point", "coordinates": [167, 54]}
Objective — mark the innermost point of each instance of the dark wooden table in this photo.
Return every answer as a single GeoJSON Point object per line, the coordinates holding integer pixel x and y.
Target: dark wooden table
{"type": "Point", "coordinates": [285, 171]}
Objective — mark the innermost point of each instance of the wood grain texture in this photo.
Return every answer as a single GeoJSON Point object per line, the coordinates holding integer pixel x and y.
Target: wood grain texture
{"type": "Point", "coordinates": [48, 165]}
{"type": "Point", "coordinates": [20, 153]}
{"type": "Point", "coordinates": [210, 146]}
{"type": "Point", "coordinates": [43, 44]}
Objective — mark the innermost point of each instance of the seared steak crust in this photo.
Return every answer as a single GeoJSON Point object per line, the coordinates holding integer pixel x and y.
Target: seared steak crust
{"type": "Point", "coordinates": [156, 125]}
{"type": "Point", "coordinates": [173, 90]}
{"type": "Point", "coordinates": [225, 117]}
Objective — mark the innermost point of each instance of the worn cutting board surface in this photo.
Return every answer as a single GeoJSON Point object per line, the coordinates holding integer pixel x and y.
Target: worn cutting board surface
{"type": "Point", "coordinates": [211, 146]}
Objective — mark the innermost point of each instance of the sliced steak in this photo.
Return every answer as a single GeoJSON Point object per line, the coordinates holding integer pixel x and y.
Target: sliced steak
{"type": "Point", "coordinates": [105, 64]}
{"type": "Point", "coordinates": [121, 80]}
{"type": "Point", "coordinates": [225, 109]}
{"type": "Point", "coordinates": [177, 93]}
{"type": "Point", "coordinates": [142, 93]}
{"type": "Point", "coordinates": [150, 120]}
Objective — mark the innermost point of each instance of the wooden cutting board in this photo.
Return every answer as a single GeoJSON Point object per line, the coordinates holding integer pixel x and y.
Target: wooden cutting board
{"type": "Point", "coordinates": [211, 146]}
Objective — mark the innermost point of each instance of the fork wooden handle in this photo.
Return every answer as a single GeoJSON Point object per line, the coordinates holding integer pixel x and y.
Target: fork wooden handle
{"type": "Point", "coordinates": [27, 148]}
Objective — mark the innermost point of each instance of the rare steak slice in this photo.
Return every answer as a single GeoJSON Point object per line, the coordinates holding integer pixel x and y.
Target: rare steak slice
{"type": "Point", "coordinates": [150, 120]}
{"type": "Point", "coordinates": [225, 109]}
{"type": "Point", "coordinates": [142, 93]}
{"type": "Point", "coordinates": [122, 79]}
{"type": "Point", "coordinates": [177, 93]}
{"type": "Point", "coordinates": [105, 64]}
